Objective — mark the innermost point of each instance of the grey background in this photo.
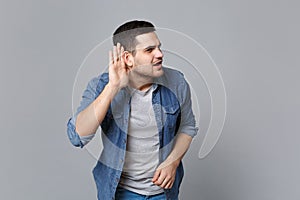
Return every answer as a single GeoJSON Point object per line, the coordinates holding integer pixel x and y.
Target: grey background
{"type": "Point", "coordinates": [254, 43]}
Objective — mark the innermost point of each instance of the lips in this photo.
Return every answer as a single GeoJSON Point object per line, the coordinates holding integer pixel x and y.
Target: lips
{"type": "Point", "coordinates": [158, 62]}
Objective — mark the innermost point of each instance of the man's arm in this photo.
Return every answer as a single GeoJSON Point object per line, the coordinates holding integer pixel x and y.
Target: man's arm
{"type": "Point", "coordinates": [165, 174]}
{"type": "Point", "coordinates": [88, 120]}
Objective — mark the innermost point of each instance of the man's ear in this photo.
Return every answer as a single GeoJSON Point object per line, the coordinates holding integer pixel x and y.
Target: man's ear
{"type": "Point", "coordinates": [128, 59]}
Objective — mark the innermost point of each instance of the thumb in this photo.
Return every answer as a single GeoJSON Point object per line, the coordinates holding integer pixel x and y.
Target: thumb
{"type": "Point", "coordinates": [156, 175]}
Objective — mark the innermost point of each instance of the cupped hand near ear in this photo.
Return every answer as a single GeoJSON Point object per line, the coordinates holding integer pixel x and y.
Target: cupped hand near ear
{"type": "Point", "coordinates": [118, 71]}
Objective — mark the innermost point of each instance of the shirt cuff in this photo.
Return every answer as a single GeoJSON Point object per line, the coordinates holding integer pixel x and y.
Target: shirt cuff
{"type": "Point", "coordinates": [86, 139]}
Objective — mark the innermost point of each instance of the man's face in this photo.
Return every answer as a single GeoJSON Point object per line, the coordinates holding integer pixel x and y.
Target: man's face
{"type": "Point", "coordinates": [148, 57]}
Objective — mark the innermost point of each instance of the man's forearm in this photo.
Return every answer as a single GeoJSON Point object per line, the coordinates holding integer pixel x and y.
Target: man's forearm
{"type": "Point", "coordinates": [164, 175]}
{"type": "Point", "coordinates": [88, 120]}
{"type": "Point", "coordinates": [180, 147]}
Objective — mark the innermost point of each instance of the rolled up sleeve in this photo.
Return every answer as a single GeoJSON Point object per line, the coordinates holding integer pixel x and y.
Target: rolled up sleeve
{"type": "Point", "coordinates": [72, 134]}
{"type": "Point", "coordinates": [88, 97]}
{"type": "Point", "coordinates": [188, 122]}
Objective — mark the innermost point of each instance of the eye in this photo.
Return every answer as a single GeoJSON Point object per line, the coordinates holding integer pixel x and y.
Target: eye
{"type": "Point", "coordinates": [149, 50]}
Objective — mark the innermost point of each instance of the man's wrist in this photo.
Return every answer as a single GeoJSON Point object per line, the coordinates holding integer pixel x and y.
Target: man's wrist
{"type": "Point", "coordinates": [172, 160]}
{"type": "Point", "coordinates": [112, 89]}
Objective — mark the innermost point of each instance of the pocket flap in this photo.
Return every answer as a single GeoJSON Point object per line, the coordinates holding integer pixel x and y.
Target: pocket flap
{"type": "Point", "coordinates": [171, 109]}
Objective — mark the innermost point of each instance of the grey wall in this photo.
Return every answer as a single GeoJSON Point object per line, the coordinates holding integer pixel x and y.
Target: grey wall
{"type": "Point", "coordinates": [255, 44]}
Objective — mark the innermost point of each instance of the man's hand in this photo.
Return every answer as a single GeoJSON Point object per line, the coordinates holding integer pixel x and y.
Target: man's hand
{"type": "Point", "coordinates": [118, 71]}
{"type": "Point", "coordinates": [165, 174]}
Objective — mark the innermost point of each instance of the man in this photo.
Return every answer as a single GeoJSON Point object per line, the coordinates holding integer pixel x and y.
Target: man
{"type": "Point", "coordinates": [146, 118]}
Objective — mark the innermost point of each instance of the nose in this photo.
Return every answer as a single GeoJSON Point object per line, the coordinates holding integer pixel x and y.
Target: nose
{"type": "Point", "coordinates": [159, 53]}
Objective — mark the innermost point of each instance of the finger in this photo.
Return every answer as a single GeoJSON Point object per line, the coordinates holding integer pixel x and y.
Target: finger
{"type": "Point", "coordinates": [169, 185]}
{"type": "Point", "coordinates": [164, 183]}
{"type": "Point", "coordinates": [115, 54]}
{"type": "Point", "coordinates": [156, 175]}
{"type": "Point", "coordinates": [121, 55]}
{"type": "Point", "coordinates": [118, 50]}
{"type": "Point", "coordinates": [160, 179]}
{"type": "Point", "coordinates": [110, 57]}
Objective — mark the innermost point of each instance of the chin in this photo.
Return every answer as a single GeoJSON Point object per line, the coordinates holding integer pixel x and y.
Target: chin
{"type": "Point", "coordinates": [159, 72]}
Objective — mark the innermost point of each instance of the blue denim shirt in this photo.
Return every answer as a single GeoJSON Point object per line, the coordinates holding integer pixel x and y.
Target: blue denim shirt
{"type": "Point", "coordinates": [171, 101]}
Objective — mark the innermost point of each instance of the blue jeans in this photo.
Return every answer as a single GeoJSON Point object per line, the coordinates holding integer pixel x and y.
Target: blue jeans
{"type": "Point", "coordinates": [123, 194]}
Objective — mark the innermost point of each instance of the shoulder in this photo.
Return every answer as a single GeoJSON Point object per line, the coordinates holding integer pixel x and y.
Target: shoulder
{"type": "Point", "coordinates": [97, 84]}
{"type": "Point", "coordinates": [172, 78]}
{"type": "Point", "coordinates": [101, 79]}
{"type": "Point", "coordinates": [175, 81]}
{"type": "Point", "coordinates": [170, 73]}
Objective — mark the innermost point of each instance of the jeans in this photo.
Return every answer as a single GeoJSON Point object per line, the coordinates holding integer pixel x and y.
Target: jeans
{"type": "Point", "coordinates": [123, 194]}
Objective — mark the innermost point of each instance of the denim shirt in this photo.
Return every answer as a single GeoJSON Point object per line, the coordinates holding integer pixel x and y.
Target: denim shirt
{"type": "Point", "coordinates": [171, 101]}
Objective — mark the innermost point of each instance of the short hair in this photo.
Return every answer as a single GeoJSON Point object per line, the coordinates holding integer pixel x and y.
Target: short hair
{"type": "Point", "coordinates": [127, 32]}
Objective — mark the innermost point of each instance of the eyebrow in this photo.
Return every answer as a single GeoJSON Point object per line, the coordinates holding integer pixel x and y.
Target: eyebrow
{"type": "Point", "coordinates": [152, 46]}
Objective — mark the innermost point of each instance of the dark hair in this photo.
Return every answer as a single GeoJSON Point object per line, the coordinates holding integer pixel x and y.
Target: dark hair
{"type": "Point", "coordinates": [126, 33]}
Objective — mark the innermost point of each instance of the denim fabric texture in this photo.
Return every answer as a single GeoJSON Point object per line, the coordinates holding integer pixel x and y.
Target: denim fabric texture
{"type": "Point", "coordinates": [171, 100]}
{"type": "Point", "coordinates": [123, 194]}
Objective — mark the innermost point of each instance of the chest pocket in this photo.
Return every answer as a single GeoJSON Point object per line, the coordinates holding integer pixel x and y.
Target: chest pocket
{"type": "Point", "coordinates": [171, 118]}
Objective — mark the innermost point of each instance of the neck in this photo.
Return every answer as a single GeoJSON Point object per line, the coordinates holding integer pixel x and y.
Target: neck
{"type": "Point", "coordinates": [140, 82]}
{"type": "Point", "coordinates": [141, 87]}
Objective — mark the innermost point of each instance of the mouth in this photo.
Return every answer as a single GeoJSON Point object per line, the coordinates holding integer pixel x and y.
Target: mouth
{"type": "Point", "coordinates": [157, 63]}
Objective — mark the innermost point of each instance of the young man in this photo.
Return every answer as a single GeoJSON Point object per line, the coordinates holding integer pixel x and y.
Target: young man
{"type": "Point", "coordinates": [146, 118]}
